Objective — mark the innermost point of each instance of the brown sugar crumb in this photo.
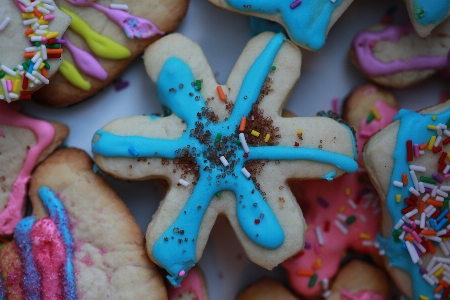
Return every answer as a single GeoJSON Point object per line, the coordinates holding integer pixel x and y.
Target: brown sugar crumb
{"type": "Point", "coordinates": [281, 199]}
{"type": "Point", "coordinates": [130, 166]}
{"type": "Point", "coordinates": [165, 162]}
{"type": "Point", "coordinates": [264, 125]}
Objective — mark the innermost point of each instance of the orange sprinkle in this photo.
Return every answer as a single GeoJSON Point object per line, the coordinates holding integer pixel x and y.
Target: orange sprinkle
{"type": "Point", "coordinates": [54, 51]}
{"type": "Point", "coordinates": [222, 96]}
{"type": "Point", "coordinates": [37, 13]}
{"type": "Point", "coordinates": [428, 232]}
{"type": "Point", "coordinates": [443, 283]}
{"type": "Point", "coordinates": [431, 246]}
{"type": "Point", "coordinates": [423, 146]}
{"type": "Point", "coordinates": [307, 273]}
{"type": "Point", "coordinates": [421, 206]}
{"type": "Point", "coordinates": [412, 218]}
{"type": "Point", "coordinates": [45, 74]}
{"type": "Point", "coordinates": [448, 217]}
{"type": "Point", "coordinates": [242, 125]}
{"type": "Point", "coordinates": [438, 289]}
{"type": "Point", "coordinates": [435, 203]}
{"type": "Point", "coordinates": [405, 179]}
{"type": "Point", "coordinates": [28, 54]}
{"type": "Point", "coordinates": [29, 31]}
{"type": "Point", "coordinates": [315, 266]}
{"type": "Point", "coordinates": [409, 238]}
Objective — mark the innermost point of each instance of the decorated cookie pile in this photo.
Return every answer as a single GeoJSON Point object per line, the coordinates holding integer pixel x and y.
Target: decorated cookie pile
{"type": "Point", "coordinates": [30, 46]}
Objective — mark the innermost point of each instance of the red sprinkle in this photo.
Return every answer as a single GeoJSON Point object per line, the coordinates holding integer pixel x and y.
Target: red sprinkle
{"type": "Point", "coordinates": [25, 82]}
{"type": "Point", "coordinates": [409, 150]}
{"type": "Point", "coordinates": [436, 214]}
{"type": "Point", "coordinates": [442, 157]}
{"type": "Point", "coordinates": [414, 198]}
{"type": "Point", "coordinates": [257, 221]}
{"type": "Point", "coordinates": [326, 228]}
{"type": "Point", "coordinates": [407, 209]}
{"type": "Point", "coordinates": [442, 167]}
{"type": "Point", "coordinates": [245, 155]}
{"type": "Point", "coordinates": [437, 149]}
{"type": "Point", "coordinates": [446, 141]}
{"type": "Point", "coordinates": [296, 144]}
{"type": "Point", "coordinates": [410, 202]}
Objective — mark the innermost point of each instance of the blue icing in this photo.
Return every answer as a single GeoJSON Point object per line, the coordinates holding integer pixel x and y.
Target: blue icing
{"type": "Point", "coordinates": [258, 25]}
{"type": "Point", "coordinates": [329, 176]}
{"type": "Point", "coordinates": [56, 210]}
{"type": "Point", "coordinates": [429, 12]}
{"type": "Point", "coordinates": [413, 126]}
{"type": "Point", "coordinates": [175, 248]}
{"type": "Point", "coordinates": [2, 289]}
{"type": "Point", "coordinates": [31, 278]}
{"type": "Point", "coordinates": [307, 24]}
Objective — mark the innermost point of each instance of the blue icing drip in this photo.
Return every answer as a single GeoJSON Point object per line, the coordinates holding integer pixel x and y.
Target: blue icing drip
{"type": "Point", "coordinates": [329, 176]}
{"type": "Point", "coordinates": [307, 24]}
{"type": "Point", "coordinates": [413, 126]}
{"type": "Point", "coordinates": [429, 12]}
{"type": "Point", "coordinates": [31, 278]}
{"type": "Point", "coordinates": [2, 290]}
{"type": "Point", "coordinates": [258, 25]}
{"type": "Point", "coordinates": [56, 210]}
{"type": "Point", "coordinates": [175, 248]}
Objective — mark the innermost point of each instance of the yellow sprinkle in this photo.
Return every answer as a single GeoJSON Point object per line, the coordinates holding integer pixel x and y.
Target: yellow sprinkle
{"type": "Point", "coordinates": [42, 22]}
{"type": "Point", "coordinates": [439, 272]}
{"type": "Point", "coordinates": [375, 112]}
{"type": "Point", "coordinates": [299, 131]}
{"type": "Point", "coordinates": [422, 297]}
{"type": "Point", "coordinates": [431, 142]}
{"type": "Point", "coordinates": [398, 198]}
{"type": "Point", "coordinates": [267, 138]}
{"type": "Point", "coordinates": [364, 236]}
{"type": "Point", "coordinates": [319, 262]}
{"type": "Point", "coordinates": [16, 86]}
{"type": "Point", "coordinates": [432, 127]}
{"type": "Point", "coordinates": [307, 227]}
{"type": "Point", "coordinates": [28, 16]}
{"type": "Point", "coordinates": [342, 209]}
{"type": "Point", "coordinates": [255, 133]}
{"type": "Point", "coordinates": [433, 118]}
{"type": "Point", "coordinates": [448, 155]}
{"type": "Point", "coordinates": [52, 35]}
{"type": "Point", "coordinates": [347, 191]}
{"type": "Point", "coordinates": [41, 65]}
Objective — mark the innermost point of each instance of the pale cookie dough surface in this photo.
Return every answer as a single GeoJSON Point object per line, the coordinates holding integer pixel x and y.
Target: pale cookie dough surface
{"type": "Point", "coordinates": [266, 289]}
{"type": "Point", "coordinates": [311, 35]}
{"type": "Point", "coordinates": [379, 161]}
{"type": "Point", "coordinates": [109, 259]}
{"type": "Point", "coordinates": [318, 133]}
{"type": "Point", "coordinates": [166, 15]}
{"type": "Point", "coordinates": [426, 15]}
{"type": "Point", "coordinates": [410, 51]}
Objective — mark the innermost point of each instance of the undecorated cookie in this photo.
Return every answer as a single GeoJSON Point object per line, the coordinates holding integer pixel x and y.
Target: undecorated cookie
{"type": "Point", "coordinates": [81, 241]}
{"type": "Point", "coordinates": [29, 31]}
{"type": "Point", "coordinates": [306, 22]}
{"type": "Point", "coordinates": [395, 56]}
{"type": "Point", "coordinates": [224, 150]}
{"type": "Point", "coordinates": [407, 162]}
{"type": "Point", "coordinates": [344, 213]}
{"type": "Point", "coordinates": [24, 142]}
{"type": "Point", "coordinates": [103, 39]}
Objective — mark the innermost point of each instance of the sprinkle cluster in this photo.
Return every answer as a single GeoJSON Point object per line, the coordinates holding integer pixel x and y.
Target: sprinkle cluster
{"type": "Point", "coordinates": [17, 83]}
{"type": "Point", "coordinates": [425, 224]}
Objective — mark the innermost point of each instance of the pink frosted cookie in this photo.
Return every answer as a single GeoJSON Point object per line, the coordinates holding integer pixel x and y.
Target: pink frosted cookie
{"type": "Point", "coordinates": [193, 287]}
{"type": "Point", "coordinates": [345, 212]}
{"type": "Point", "coordinates": [24, 142]}
{"type": "Point", "coordinates": [103, 39]}
{"type": "Point", "coordinates": [224, 150]}
{"type": "Point", "coordinates": [396, 56]}
{"type": "Point", "coordinates": [81, 241]}
{"type": "Point", "coordinates": [28, 58]}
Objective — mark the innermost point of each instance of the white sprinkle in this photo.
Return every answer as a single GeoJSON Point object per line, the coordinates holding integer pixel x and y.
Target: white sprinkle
{"type": "Point", "coordinates": [37, 64]}
{"type": "Point", "coordinates": [435, 268]}
{"type": "Point", "coordinates": [421, 187]}
{"type": "Point", "coordinates": [419, 246]}
{"type": "Point", "coordinates": [446, 132]}
{"type": "Point", "coordinates": [442, 126]}
{"type": "Point", "coordinates": [412, 252]}
{"type": "Point", "coordinates": [243, 142]}
{"type": "Point", "coordinates": [118, 6]}
{"type": "Point", "coordinates": [13, 96]}
{"type": "Point", "coordinates": [445, 261]}
{"type": "Point", "coordinates": [40, 32]}
{"type": "Point", "coordinates": [422, 220]}
{"type": "Point", "coordinates": [5, 23]}
{"type": "Point", "coordinates": [366, 205]}
{"type": "Point", "coordinates": [36, 38]}
{"type": "Point", "coordinates": [224, 161]}
{"type": "Point", "coordinates": [31, 49]}
{"type": "Point", "coordinates": [29, 76]}
{"type": "Point", "coordinates": [414, 179]}
{"type": "Point", "coordinates": [444, 248]}
{"type": "Point", "coordinates": [30, 21]}
{"type": "Point", "coordinates": [319, 235]}
{"type": "Point", "coordinates": [442, 193]}
{"type": "Point", "coordinates": [5, 89]}
{"type": "Point", "coordinates": [431, 263]}
{"type": "Point", "coordinates": [445, 188]}
{"type": "Point", "coordinates": [412, 213]}
{"type": "Point", "coordinates": [431, 211]}
{"type": "Point", "coordinates": [434, 191]}
{"type": "Point", "coordinates": [25, 2]}
{"type": "Point", "coordinates": [20, 67]}
{"type": "Point", "coordinates": [433, 238]}
{"type": "Point", "coordinates": [439, 130]}
{"type": "Point", "coordinates": [35, 25]}
{"type": "Point", "coordinates": [381, 252]}
{"type": "Point", "coordinates": [439, 198]}
{"type": "Point", "coordinates": [428, 279]}
{"type": "Point", "coordinates": [417, 168]}
{"type": "Point", "coordinates": [352, 204]}
{"type": "Point", "coordinates": [399, 224]}
{"type": "Point", "coordinates": [438, 141]}
{"type": "Point", "coordinates": [441, 232]}
{"type": "Point", "coordinates": [49, 7]}
{"type": "Point", "coordinates": [43, 10]}
{"type": "Point", "coordinates": [367, 243]}
{"type": "Point", "coordinates": [245, 172]}
{"type": "Point", "coordinates": [326, 294]}
{"type": "Point", "coordinates": [414, 191]}
{"type": "Point", "coordinates": [325, 283]}
{"type": "Point", "coordinates": [29, 9]}
{"type": "Point", "coordinates": [43, 26]}
{"type": "Point", "coordinates": [446, 169]}
{"type": "Point", "coordinates": [44, 52]}
{"type": "Point", "coordinates": [421, 152]}
{"type": "Point", "coordinates": [8, 70]}
{"type": "Point", "coordinates": [341, 227]}
{"type": "Point", "coordinates": [397, 183]}
{"type": "Point", "coordinates": [47, 1]}
{"type": "Point", "coordinates": [428, 185]}
{"type": "Point", "coordinates": [183, 182]}
{"type": "Point", "coordinates": [343, 218]}
{"type": "Point", "coordinates": [425, 198]}
{"type": "Point", "coordinates": [363, 218]}
{"type": "Point", "coordinates": [41, 77]}
{"type": "Point", "coordinates": [36, 57]}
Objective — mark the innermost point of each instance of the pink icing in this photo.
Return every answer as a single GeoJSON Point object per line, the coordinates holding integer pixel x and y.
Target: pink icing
{"type": "Point", "coordinates": [365, 40]}
{"type": "Point", "coordinates": [316, 215]}
{"type": "Point", "coordinates": [362, 295]}
{"type": "Point", "coordinates": [191, 283]}
{"type": "Point", "coordinates": [86, 62]}
{"type": "Point", "coordinates": [45, 134]}
{"type": "Point", "coordinates": [49, 256]}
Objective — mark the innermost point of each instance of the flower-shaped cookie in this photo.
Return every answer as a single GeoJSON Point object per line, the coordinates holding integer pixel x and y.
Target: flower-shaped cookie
{"type": "Point", "coordinates": [29, 53]}
{"type": "Point", "coordinates": [306, 22]}
{"type": "Point", "coordinates": [409, 165]}
{"type": "Point", "coordinates": [103, 38]}
{"type": "Point", "coordinates": [81, 241]}
{"type": "Point", "coordinates": [225, 149]}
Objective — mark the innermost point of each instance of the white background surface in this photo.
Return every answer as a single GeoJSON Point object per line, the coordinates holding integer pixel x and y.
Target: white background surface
{"type": "Point", "coordinates": [223, 35]}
